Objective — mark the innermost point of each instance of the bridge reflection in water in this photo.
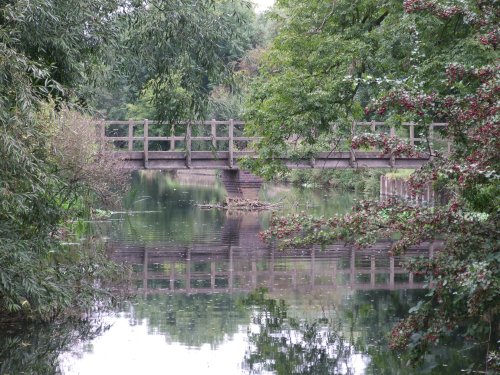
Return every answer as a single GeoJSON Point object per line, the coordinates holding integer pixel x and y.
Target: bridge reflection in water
{"type": "Point", "coordinates": [239, 262]}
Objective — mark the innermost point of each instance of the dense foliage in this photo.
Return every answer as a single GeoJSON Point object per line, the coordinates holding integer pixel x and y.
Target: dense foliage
{"type": "Point", "coordinates": [53, 57]}
{"type": "Point", "coordinates": [40, 60]}
{"type": "Point", "coordinates": [420, 77]}
{"type": "Point", "coordinates": [176, 59]}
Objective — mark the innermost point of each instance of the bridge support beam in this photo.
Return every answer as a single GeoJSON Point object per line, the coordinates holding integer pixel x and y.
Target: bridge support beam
{"type": "Point", "coordinates": [241, 184]}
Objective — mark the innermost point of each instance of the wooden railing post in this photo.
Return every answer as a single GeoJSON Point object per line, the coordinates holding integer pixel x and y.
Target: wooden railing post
{"type": "Point", "coordinates": [373, 128]}
{"type": "Point", "coordinates": [392, 160]}
{"type": "Point", "coordinates": [412, 134]}
{"type": "Point", "coordinates": [352, 156]}
{"type": "Point", "coordinates": [130, 135]}
{"type": "Point", "coordinates": [172, 138]}
{"type": "Point", "coordinates": [214, 134]}
{"type": "Point", "coordinates": [146, 143]}
{"type": "Point", "coordinates": [231, 144]}
{"type": "Point", "coordinates": [188, 145]}
{"type": "Point", "coordinates": [431, 140]}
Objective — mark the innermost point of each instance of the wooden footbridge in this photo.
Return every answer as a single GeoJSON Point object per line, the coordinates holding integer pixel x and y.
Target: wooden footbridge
{"type": "Point", "coordinates": [220, 144]}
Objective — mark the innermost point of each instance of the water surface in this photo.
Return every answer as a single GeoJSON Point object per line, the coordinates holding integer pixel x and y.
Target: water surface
{"type": "Point", "coordinates": [213, 299]}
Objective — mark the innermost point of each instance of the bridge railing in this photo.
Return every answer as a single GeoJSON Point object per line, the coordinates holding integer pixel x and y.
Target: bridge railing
{"type": "Point", "coordinates": [145, 135]}
{"type": "Point", "coordinates": [416, 134]}
{"type": "Point", "coordinates": [226, 139]}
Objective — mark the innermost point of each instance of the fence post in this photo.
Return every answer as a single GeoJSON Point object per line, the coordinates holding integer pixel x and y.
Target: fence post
{"type": "Point", "coordinates": [214, 133]}
{"type": "Point", "coordinates": [392, 131]}
{"type": "Point", "coordinates": [130, 135]}
{"type": "Point", "coordinates": [146, 144]}
{"type": "Point", "coordinates": [188, 145]}
{"type": "Point", "coordinates": [231, 145]}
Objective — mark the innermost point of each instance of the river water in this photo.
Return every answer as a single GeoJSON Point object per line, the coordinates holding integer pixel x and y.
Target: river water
{"type": "Point", "coordinates": [211, 298]}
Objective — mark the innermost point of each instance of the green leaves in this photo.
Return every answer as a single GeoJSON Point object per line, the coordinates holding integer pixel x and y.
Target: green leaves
{"type": "Point", "coordinates": [43, 45]}
{"type": "Point", "coordinates": [185, 47]}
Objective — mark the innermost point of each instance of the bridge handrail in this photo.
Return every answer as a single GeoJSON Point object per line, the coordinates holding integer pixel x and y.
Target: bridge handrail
{"type": "Point", "coordinates": [214, 138]}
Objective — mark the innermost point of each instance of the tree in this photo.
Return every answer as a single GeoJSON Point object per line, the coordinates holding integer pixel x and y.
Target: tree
{"type": "Point", "coordinates": [454, 78]}
{"type": "Point", "coordinates": [179, 51]}
{"type": "Point", "coordinates": [47, 49]}
{"type": "Point", "coordinates": [329, 60]}
{"type": "Point", "coordinates": [59, 51]}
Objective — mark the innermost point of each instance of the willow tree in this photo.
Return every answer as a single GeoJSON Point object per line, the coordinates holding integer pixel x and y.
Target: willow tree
{"type": "Point", "coordinates": [58, 51]}
{"type": "Point", "coordinates": [173, 53]}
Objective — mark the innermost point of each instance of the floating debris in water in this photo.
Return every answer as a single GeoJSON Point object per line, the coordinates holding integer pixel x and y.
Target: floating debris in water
{"type": "Point", "coordinates": [240, 205]}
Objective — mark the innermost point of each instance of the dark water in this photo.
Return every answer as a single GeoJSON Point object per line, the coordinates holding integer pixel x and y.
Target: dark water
{"type": "Point", "coordinates": [213, 299]}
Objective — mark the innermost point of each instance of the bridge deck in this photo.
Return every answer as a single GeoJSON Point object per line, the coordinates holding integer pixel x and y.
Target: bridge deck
{"type": "Point", "coordinates": [220, 160]}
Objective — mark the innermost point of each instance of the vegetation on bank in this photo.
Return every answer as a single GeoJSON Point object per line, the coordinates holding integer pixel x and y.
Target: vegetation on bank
{"type": "Point", "coordinates": [58, 61]}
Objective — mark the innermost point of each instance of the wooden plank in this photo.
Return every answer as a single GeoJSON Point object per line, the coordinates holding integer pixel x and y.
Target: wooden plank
{"type": "Point", "coordinates": [373, 129]}
{"type": "Point", "coordinates": [249, 139]}
{"type": "Point", "coordinates": [412, 134]}
{"type": "Point", "coordinates": [121, 122]}
{"type": "Point", "coordinates": [180, 138]}
{"type": "Point", "coordinates": [369, 123]}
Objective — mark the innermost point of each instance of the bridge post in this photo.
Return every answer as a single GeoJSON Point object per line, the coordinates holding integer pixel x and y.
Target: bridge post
{"type": "Point", "coordinates": [412, 134]}
{"type": "Point", "coordinates": [146, 144]}
{"type": "Point", "coordinates": [130, 135]}
{"type": "Point", "coordinates": [213, 133]}
{"type": "Point", "coordinates": [241, 184]}
{"type": "Point", "coordinates": [431, 141]}
{"type": "Point", "coordinates": [231, 143]}
{"type": "Point", "coordinates": [188, 146]}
